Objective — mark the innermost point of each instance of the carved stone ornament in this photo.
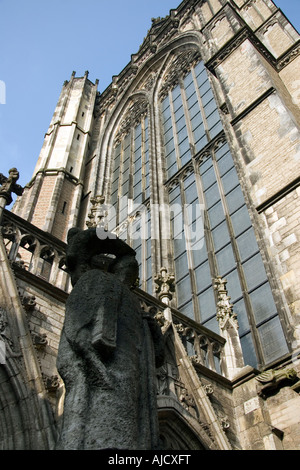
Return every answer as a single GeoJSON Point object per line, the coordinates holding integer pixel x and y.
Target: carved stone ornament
{"type": "Point", "coordinates": [133, 116]}
{"type": "Point", "coordinates": [272, 380]}
{"type": "Point", "coordinates": [225, 315]}
{"type": "Point", "coordinates": [28, 302]}
{"type": "Point", "coordinates": [5, 335]}
{"type": "Point", "coordinates": [165, 284]}
{"type": "Point", "coordinates": [97, 211]}
{"type": "Point", "coordinates": [224, 422]}
{"type": "Point", "coordinates": [39, 340]}
{"type": "Point", "coordinates": [10, 186]}
{"type": "Point", "coordinates": [51, 383]}
{"type": "Point", "coordinates": [208, 389]}
{"type": "Point", "coordinates": [188, 402]}
{"type": "Point", "coordinates": [180, 67]}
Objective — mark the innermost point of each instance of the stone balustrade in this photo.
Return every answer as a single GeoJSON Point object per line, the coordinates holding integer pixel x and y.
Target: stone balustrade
{"type": "Point", "coordinates": [34, 250]}
{"type": "Point", "coordinates": [203, 346]}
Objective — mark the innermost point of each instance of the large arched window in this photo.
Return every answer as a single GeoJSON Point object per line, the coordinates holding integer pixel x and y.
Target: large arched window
{"type": "Point", "coordinates": [200, 171]}
{"type": "Point", "coordinates": [130, 187]}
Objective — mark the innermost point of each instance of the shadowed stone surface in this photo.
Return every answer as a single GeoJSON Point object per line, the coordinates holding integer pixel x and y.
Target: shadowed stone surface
{"type": "Point", "coordinates": [107, 353]}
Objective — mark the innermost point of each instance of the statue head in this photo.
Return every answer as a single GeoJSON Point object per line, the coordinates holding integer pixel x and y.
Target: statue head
{"type": "Point", "coordinates": [87, 251]}
{"type": "Point", "coordinates": [14, 174]}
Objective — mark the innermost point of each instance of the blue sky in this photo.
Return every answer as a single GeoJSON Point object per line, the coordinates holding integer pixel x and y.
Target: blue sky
{"type": "Point", "coordinates": [42, 42]}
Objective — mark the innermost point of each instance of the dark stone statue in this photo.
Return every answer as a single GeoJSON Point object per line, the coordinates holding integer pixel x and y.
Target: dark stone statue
{"type": "Point", "coordinates": [9, 185]}
{"type": "Point", "coordinates": [109, 350]}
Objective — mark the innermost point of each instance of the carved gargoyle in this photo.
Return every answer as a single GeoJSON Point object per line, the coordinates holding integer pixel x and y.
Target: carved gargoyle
{"type": "Point", "coordinates": [271, 380]}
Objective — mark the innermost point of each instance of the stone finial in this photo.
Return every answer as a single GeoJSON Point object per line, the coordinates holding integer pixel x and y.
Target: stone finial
{"type": "Point", "coordinates": [9, 186]}
{"type": "Point", "coordinates": [165, 284]}
{"type": "Point", "coordinates": [225, 312]}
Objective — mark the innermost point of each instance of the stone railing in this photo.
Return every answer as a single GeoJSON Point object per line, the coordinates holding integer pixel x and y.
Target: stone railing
{"type": "Point", "coordinates": [34, 250]}
{"type": "Point", "coordinates": [203, 346]}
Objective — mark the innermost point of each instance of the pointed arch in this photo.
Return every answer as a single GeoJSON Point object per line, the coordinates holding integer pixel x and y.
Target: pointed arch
{"type": "Point", "coordinates": [179, 430]}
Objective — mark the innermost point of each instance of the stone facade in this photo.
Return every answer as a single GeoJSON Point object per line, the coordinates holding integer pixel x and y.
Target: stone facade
{"type": "Point", "coordinates": [208, 395]}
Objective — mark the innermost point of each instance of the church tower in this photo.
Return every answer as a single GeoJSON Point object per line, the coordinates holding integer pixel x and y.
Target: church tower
{"type": "Point", "coordinates": [52, 198]}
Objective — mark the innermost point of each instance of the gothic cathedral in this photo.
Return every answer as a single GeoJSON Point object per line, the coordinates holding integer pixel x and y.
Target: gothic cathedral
{"type": "Point", "coordinates": [191, 156]}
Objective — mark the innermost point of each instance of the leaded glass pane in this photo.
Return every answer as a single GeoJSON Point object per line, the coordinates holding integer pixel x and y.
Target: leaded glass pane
{"type": "Point", "coordinates": [207, 97]}
{"type": "Point", "coordinates": [194, 109]}
{"type": "Point", "coordinates": [182, 134]}
{"type": "Point", "coordinates": [263, 303]}
{"type": "Point", "coordinates": [215, 130]}
{"type": "Point", "coordinates": [220, 236]}
{"type": "Point", "coordinates": [272, 340]}
{"type": "Point", "coordinates": [188, 79]}
{"type": "Point", "coordinates": [172, 170]}
{"type": "Point", "coordinates": [201, 143]}
{"type": "Point", "coordinates": [199, 251]}
{"type": "Point", "coordinates": [225, 260]}
{"type": "Point", "coordinates": [180, 126]}
{"type": "Point", "coordinates": [240, 220]}
{"type": "Point", "coordinates": [233, 285]}
{"type": "Point", "coordinates": [184, 146]}
{"type": "Point", "coordinates": [192, 101]}
{"type": "Point", "coordinates": [230, 180]}
{"type": "Point", "coordinates": [203, 276]}
{"type": "Point", "coordinates": [248, 350]}
{"type": "Point", "coordinates": [191, 194]}
{"type": "Point", "coordinates": [181, 266]}
{"type": "Point", "coordinates": [254, 272]}
{"type": "Point", "coordinates": [176, 92]}
{"type": "Point", "coordinates": [165, 103]}
{"type": "Point", "coordinates": [205, 165]}
{"type": "Point", "coordinates": [167, 115]}
{"type": "Point", "coordinates": [210, 107]}
{"type": "Point", "coordinates": [239, 309]}
{"type": "Point", "coordinates": [199, 68]}
{"type": "Point", "coordinates": [179, 245]}
{"type": "Point", "coordinates": [247, 244]}
{"type": "Point", "coordinates": [188, 310]}
{"type": "Point", "coordinates": [183, 288]}
{"type": "Point", "coordinates": [225, 163]}
{"type": "Point", "coordinates": [168, 136]}
{"type": "Point", "coordinates": [212, 195]}
{"type": "Point", "coordinates": [216, 214]}
{"type": "Point", "coordinates": [199, 132]}
{"type": "Point", "coordinates": [175, 194]}
{"type": "Point", "coordinates": [235, 199]}
{"type": "Point", "coordinates": [213, 325]}
{"type": "Point", "coordinates": [204, 87]}
{"type": "Point", "coordinates": [213, 119]}
{"type": "Point", "coordinates": [208, 178]}
{"type": "Point", "coordinates": [207, 304]}
{"type": "Point", "coordinates": [221, 150]}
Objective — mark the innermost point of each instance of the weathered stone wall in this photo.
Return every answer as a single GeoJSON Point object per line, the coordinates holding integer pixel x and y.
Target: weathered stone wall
{"type": "Point", "coordinates": [45, 320]}
{"type": "Point", "coordinates": [271, 422]}
{"type": "Point", "coordinates": [282, 232]}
